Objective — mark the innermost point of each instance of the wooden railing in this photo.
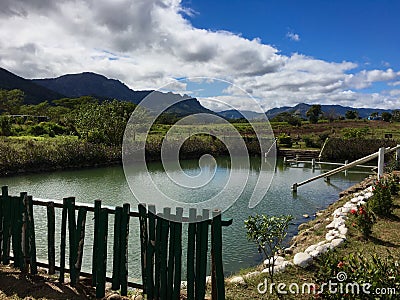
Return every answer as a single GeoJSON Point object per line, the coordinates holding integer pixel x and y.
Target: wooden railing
{"type": "Point", "coordinates": [160, 240]}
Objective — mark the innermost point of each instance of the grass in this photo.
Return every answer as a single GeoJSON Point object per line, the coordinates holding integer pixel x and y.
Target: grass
{"type": "Point", "coordinates": [383, 242]}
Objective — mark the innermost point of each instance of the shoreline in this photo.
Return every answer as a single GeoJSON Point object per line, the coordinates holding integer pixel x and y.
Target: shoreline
{"type": "Point", "coordinates": [92, 165]}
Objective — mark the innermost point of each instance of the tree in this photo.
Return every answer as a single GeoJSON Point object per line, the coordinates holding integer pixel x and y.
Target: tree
{"type": "Point", "coordinates": [313, 113]}
{"type": "Point", "coordinates": [268, 232]}
{"type": "Point", "coordinates": [351, 114]}
{"type": "Point", "coordinates": [11, 101]}
{"type": "Point", "coordinates": [386, 116]}
{"type": "Point", "coordinates": [288, 117]}
{"type": "Point", "coordinates": [396, 115]}
{"type": "Point", "coordinates": [375, 114]}
{"type": "Point", "coordinates": [103, 123]}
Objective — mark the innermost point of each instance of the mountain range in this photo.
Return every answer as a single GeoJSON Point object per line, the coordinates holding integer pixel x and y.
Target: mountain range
{"type": "Point", "coordinates": [101, 87]}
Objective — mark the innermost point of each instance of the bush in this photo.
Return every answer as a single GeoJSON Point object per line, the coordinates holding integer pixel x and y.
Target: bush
{"type": "Point", "coordinates": [381, 202]}
{"type": "Point", "coordinates": [377, 272]}
{"type": "Point", "coordinates": [363, 218]}
{"type": "Point", "coordinates": [5, 125]}
{"type": "Point", "coordinates": [285, 140]}
{"type": "Point", "coordinates": [310, 142]}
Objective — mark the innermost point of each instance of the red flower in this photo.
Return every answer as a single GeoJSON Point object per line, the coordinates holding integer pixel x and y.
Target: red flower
{"type": "Point", "coordinates": [340, 264]}
{"type": "Point", "coordinates": [353, 211]}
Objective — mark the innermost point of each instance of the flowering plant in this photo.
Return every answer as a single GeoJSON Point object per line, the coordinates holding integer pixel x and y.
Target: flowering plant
{"type": "Point", "coordinates": [381, 202]}
{"type": "Point", "coordinates": [363, 219]}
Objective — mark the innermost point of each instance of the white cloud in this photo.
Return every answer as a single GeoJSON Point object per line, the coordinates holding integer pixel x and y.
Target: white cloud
{"type": "Point", "coordinates": [148, 43]}
{"type": "Point", "coordinates": [293, 36]}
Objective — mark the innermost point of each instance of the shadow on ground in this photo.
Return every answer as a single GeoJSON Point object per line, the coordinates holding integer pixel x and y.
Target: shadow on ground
{"type": "Point", "coordinates": [15, 284]}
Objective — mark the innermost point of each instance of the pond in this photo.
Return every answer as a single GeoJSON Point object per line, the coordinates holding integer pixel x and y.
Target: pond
{"type": "Point", "coordinates": [109, 185]}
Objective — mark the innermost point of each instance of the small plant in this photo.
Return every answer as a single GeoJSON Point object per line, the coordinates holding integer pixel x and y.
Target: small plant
{"type": "Point", "coordinates": [381, 203]}
{"type": "Point", "coordinates": [364, 219]}
{"type": "Point", "coordinates": [268, 232]}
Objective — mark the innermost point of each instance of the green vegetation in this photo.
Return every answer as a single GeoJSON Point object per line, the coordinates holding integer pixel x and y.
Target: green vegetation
{"type": "Point", "coordinates": [102, 123]}
{"type": "Point", "coordinates": [373, 260]}
{"type": "Point", "coordinates": [268, 232]}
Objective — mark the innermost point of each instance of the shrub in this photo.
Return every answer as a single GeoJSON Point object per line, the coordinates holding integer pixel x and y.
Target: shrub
{"type": "Point", "coordinates": [363, 218]}
{"type": "Point", "coordinates": [381, 202]}
{"type": "Point", "coordinates": [310, 142]}
{"type": "Point", "coordinates": [268, 232]}
{"type": "Point", "coordinates": [285, 140]}
{"type": "Point", "coordinates": [378, 272]}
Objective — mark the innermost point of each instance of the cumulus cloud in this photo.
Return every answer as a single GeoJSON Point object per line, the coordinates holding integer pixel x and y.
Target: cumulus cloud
{"type": "Point", "coordinates": [148, 43]}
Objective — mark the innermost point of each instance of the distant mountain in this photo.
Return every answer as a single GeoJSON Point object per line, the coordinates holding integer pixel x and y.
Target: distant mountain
{"type": "Point", "coordinates": [99, 86]}
{"type": "Point", "coordinates": [235, 114]}
{"type": "Point", "coordinates": [337, 110]}
{"type": "Point", "coordinates": [34, 93]}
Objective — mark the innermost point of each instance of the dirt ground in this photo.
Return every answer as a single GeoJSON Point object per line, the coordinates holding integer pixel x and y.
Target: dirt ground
{"type": "Point", "coordinates": [15, 285]}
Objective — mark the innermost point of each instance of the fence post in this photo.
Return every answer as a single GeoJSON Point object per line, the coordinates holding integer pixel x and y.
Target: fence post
{"type": "Point", "coordinates": [145, 262]}
{"type": "Point", "coordinates": [102, 254]}
{"type": "Point", "coordinates": [63, 237]}
{"type": "Point", "coordinates": [163, 257]}
{"type": "Point", "coordinates": [117, 249]}
{"type": "Point", "coordinates": [6, 226]}
{"type": "Point", "coordinates": [31, 236]}
{"type": "Point", "coordinates": [178, 254]}
{"type": "Point", "coordinates": [124, 249]}
{"type": "Point", "coordinates": [149, 289]}
{"type": "Point", "coordinates": [80, 239]}
{"type": "Point", "coordinates": [201, 255]}
{"type": "Point", "coordinates": [191, 250]}
{"type": "Point", "coordinates": [97, 209]}
{"type": "Point", "coordinates": [51, 229]}
{"type": "Point", "coordinates": [381, 162]}
{"type": "Point", "coordinates": [72, 239]}
{"type": "Point", "coordinates": [218, 272]}
{"type": "Point", "coordinates": [4, 194]}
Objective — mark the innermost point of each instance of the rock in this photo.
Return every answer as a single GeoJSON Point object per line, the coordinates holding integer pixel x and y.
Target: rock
{"type": "Point", "coordinates": [345, 210]}
{"type": "Point", "coordinates": [278, 261]}
{"type": "Point", "coordinates": [303, 226]}
{"type": "Point", "coordinates": [354, 200]}
{"type": "Point", "coordinates": [277, 269]}
{"type": "Point", "coordinates": [306, 216]}
{"type": "Point", "coordinates": [349, 204]}
{"type": "Point", "coordinates": [302, 259]}
{"type": "Point", "coordinates": [368, 195]}
{"type": "Point", "coordinates": [331, 225]}
{"type": "Point", "coordinates": [208, 279]}
{"type": "Point", "coordinates": [138, 297]}
{"type": "Point", "coordinates": [237, 280]}
{"type": "Point", "coordinates": [310, 248]}
{"type": "Point", "coordinates": [314, 253]}
{"type": "Point", "coordinates": [343, 230]}
{"type": "Point", "coordinates": [251, 274]}
{"type": "Point", "coordinates": [337, 242]}
{"type": "Point", "coordinates": [323, 248]}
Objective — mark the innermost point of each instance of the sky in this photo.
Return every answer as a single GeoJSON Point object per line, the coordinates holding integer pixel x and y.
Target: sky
{"type": "Point", "coordinates": [280, 52]}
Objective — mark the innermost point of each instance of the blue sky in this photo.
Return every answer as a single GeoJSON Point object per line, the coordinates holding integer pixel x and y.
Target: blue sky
{"type": "Point", "coordinates": [366, 32]}
{"type": "Point", "coordinates": [280, 52]}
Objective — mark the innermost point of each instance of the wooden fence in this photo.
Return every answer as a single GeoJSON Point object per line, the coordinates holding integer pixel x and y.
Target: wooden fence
{"type": "Point", "coordinates": [160, 240]}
